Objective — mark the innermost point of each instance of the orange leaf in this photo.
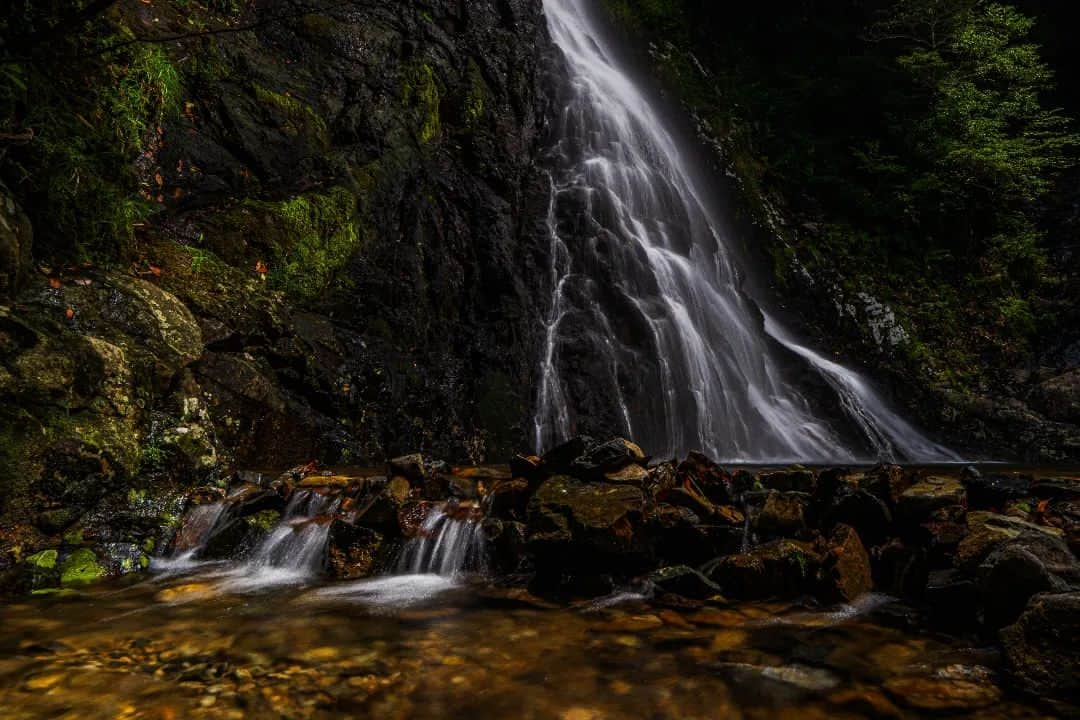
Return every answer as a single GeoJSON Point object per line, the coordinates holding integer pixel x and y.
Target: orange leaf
{"type": "Point", "coordinates": [261, 268]}
{"type": "Point", "coordinates": [154, 269]}
{"type": "Point", "coordinates": [158, 179]}
{"type": "Point", "coordinates": [54, 283]}
{"type": "Point", "coordinates": [69, 313]}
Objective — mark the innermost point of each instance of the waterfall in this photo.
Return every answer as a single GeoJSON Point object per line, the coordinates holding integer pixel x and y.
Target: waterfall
{"type": "Point", "coordinates": [445, 545]}
{"type": "Point", "coordinates": [649, 330]}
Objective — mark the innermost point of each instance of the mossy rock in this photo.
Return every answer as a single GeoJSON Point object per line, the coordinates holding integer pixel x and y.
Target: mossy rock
{"type": "Point", "coordinates": [82, 566]}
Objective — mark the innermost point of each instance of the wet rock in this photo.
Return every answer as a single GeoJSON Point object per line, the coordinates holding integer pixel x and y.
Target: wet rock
{"type": "Point", "coordinates": [887, 482]}
{"type": "Point", "coordinates": [509, 499]}
{"type": "Point", "coordinates": [919, 501]}
{"type": "Point", "coordinates": [1059, 397]}
{"type": "Point", "coordinates": [689, 498]}
{"type": "Point", "coordinates": [783, 514]}
{"type": "Point", "coordinates": [862, 510]}
{"type": "Point", "coordinates": [685, 581]}
{"type": "Point", "coordinates": [781, 568]}
{"type": "Point", "coordinates": [462, 488]}
{"type": "Point", "coordinates": [528, 467]}
{"type": "Point", "coordinates": [381, 511]}
{"type": "Point", "coordinates": [560, 458]}
{"type": "Point", "coordinates": [993, 491]}
{"type": "Point", "coordinates": [943, 693]}
{"type": "Point", "coordinates": [353, 550]}
{"type": "Point", "coordinates": [633, 474]}
{"type": "Point", "coordinates": [1041, 646]}
{"type": "Point", "coordinates": [239, 535]}
{"type": "Point", "coordinates": [411, 467]}
{"type": "Point", "coordinates": [1054, 488]}
{"type": "Point", "coordinates": [123, 558]}
{"type": "Point", "coordinates": [607, 457]}
{"type": "Point", "coordinates": [951, 596]}
{"type": "Point", "coordinates": [989, 531]}
{"type": "Point", "coordinates": [845, 572]}
{"type": "Point", "coordinates": [798, 479]}
{"type": "Point", "coordinates": [703, 476]}
{"type": "Point", "coordinates": [506, 540]}
{"type": "Point", "coordinates": [80, 567]}
{"type": "Point", "coordinates": [582, 525]}
{"type": "Point", "coordinates": [1011, 575]}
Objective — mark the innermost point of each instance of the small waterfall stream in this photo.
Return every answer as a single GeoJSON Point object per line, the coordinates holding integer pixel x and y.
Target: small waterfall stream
{"type": "Point", "coordinates": [446, 545]}
{"type": "Point", "coordinates": [650, 332]}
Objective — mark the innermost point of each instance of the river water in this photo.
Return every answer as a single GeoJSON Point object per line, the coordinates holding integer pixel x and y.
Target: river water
{"type": "Point", "coordinates": [182, 646]}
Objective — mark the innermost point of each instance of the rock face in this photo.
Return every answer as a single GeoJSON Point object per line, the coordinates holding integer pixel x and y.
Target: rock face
{"type": "Point", "coordinates": [345, 265]}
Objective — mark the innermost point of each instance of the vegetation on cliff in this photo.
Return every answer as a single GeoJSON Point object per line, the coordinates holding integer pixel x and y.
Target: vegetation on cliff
{"type": "Point", "coordinates": [911, 159]}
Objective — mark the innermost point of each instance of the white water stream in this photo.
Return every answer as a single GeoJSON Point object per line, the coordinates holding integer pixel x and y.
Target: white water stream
{"type": "Point", "coordinates": [648, 317]}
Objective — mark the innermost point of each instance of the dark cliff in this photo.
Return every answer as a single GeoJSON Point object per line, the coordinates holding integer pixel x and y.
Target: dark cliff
{"type": "Point", "coordinates": [297, 231]}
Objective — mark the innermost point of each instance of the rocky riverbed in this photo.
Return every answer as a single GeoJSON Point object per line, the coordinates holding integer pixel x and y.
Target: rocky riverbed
{"type": "Point", "coordinates": [705, 575]}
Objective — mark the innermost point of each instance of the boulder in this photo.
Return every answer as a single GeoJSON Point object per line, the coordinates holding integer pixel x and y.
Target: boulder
{"type": "Point", "coordinates": [1040, 646]}
{"type": "Point", "coordinates": [382, 508]}
{"type": "Point", "coordinates": [506, 541]}
{"type": "Point", "coordinates": [919, 501]}
{"type": "Point", "coordinates": [705, 477]}
{"type": "Point", "coordinates": [951, 596]}
{"type": "Point", "coordinates": [798, 479]}
{"type": "Point", "coordinates": [783, 514]}
{"type": "Point", "coordinates": [887, 482]}
{"type": "Point", "coordinates": [989, 531]}
{"type": "Point", "coordinates": [528, 467]}
{"type": "Point", "coordinates": [509, 499]}
{"type": "Point", "coordinates": [559, 459]}
{"type": "Point", "coordinates": [861, 509]}
{"type": "Point", "coordinates": [578, 525]}
{"type": "Point", "coordinates": [1008, 578]}
{"type": "Point", "coordinates": [607, 457]}
{"type": "Point", "coordinates": [411, 467]}
{"type": "Point", "coordinates": [781, 568]}
{"type": "Point", "coordinates": [239, 535]}
{"type": "Point", "coordinates": [994, 491]}
{"type": "Point", "coordinates": [845, 572]}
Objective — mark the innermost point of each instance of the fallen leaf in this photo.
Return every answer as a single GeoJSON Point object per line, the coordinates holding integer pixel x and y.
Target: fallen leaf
{"type": "Point", "coordinates": [69, 313]}
{"type": "Point", "coordinates": [54, 283]}
{"type": "Point", "coordinates": [261, 268]}
{"type": "Point", "coordinates": [154, 269]}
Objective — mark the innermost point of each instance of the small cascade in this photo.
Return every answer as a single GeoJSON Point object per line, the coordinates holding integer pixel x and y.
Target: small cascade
{"type": "Point", "coordinates": [199, 525]}
{"type": "Point", "coordinates": [298, 542]}
{"type": "Point", "coordinates": [450, 542]}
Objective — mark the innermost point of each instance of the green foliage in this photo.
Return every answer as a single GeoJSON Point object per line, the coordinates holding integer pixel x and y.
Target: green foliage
{"type": "Point", "coordinates": [909, 142]}
{"type": "Point", "coordinates": [315, 235]}
{"type": "Point", "coordinates": [89, 123]}
{"type": "Point", "coordinates": [299, 117]}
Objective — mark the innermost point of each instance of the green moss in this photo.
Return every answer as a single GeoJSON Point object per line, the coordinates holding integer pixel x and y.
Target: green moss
{"type": "Point", "coordinates": [476, 95]}
{"type": "Point", "coordinates": [299, 117]}
{"type": "Point", "coordinates": [75, 537]}
{"type": "Point", "coordinates": [82, 566]}
{"type": "Point", "coordinates": [316, 234]}
{"type": "Point", "coordinates": [264, 520]}
{"type": "Point", "coordinates": [420, 92]}
{"type": "Point", "coordinates": [46, 559]}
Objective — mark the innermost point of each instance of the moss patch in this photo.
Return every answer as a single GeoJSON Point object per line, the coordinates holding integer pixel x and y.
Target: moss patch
{"type": "Point", "coordinates": [82, 566]}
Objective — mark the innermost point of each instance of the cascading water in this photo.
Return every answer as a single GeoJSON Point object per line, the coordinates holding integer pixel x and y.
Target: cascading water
{"type": "Point", "coordinates": [649, 330]}
{"type": "Point", "coordinates": [446, 545]}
